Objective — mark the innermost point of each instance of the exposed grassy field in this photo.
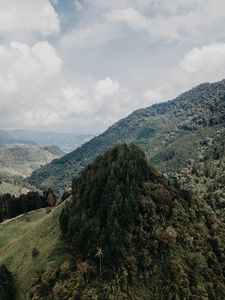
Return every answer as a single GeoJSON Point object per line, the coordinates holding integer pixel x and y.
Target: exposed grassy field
{"type": "Point", "coordinates": [20, 236]}
{"type": "Point", "coordinates": [16, 190]}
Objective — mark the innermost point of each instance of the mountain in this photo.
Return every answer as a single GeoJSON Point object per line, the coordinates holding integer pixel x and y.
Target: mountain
{"type": "Point", "coordinates": [6, 138]}
{"type": "Point", "coordinates": [20, 160]}
{"type": "Point", "coordinates": [66, 141]}
{"type": "Point", "coordinates": [131, 234]}
{"type": "Point", "coordinates": [169, 133]}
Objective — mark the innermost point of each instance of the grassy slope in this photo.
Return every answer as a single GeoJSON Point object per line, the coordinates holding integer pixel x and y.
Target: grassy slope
{"type": "Point", "coordinates": [16, 190]}
{"type": "Point", "coordinates": [19, 237]}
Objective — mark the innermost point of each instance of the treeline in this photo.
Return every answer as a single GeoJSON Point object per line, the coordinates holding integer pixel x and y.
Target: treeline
{"type": "Point", "coordinates": [11, 206]}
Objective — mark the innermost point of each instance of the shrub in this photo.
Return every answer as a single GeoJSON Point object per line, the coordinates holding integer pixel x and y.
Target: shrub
{"type": "Point", "coordinates": [35, 252]}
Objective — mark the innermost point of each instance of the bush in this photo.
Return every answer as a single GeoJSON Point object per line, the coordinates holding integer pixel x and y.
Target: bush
{"type": "Point", "coordinates": [35, 252]}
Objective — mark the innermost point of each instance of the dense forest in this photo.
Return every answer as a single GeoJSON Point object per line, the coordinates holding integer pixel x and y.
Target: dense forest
{"type": "Point", "coordinates": [131, 234]}
{"type": "Point", "coordinates": [11, 206]}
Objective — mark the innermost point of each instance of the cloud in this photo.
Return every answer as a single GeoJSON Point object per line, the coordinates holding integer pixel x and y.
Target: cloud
{"type": "Point", "coordinates": [173, 20]}
{"type": "Point", "coordinates": [28, 16]}
{"type": "Point", "coordinates": [28, 75]}
{"type": "Point", "coordinates": [210, 58]}
{"type": "Point", "coordinates": [78, 5]}
{"type": "Point", "coordinates": [152, 96]}
{"type": "Point", "coordinates": [88, 35]}
{"type": "Point", "coordinates": [34, 93]}
{"type": "Point", "coordinates": [201, 64]}
{"type": "Point", "coordinates": [106, 88]}
{"type": "Point", "coordinates": [21, 63]}
{"type": "Point", "coordinates": [108, 58]}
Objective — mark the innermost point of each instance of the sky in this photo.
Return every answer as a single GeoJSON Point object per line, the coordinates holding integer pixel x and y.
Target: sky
{"type": "Point", "coordinates": [81, 65]}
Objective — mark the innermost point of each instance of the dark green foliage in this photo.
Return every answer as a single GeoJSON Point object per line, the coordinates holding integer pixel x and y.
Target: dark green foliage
{"type": "Point", "coordinates": [105, 204]}
{"type": "Point", "coordinates": [133, 235]}
{"type": "Point", "coordinates": [35, 252]}
{"type": "Point", "coordinates": [169, 134]}
{"type": "Point", "coordinates": [11, 206]}
{"type": "Point", "coordinates": [7, 288]}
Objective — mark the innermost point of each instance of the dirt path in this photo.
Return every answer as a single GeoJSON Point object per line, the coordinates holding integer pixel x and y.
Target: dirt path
{"type": "Point", "coordinates": [19, 216]}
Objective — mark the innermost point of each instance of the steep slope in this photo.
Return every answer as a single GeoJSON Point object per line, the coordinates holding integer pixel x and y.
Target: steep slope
{"type": "Point", "coordinates": [169, 134]}
{"type": "Point", "coordinates": [205, 174]}
{"type": "Point", "coordinates": [18, 238]}
{"type": "Point", "coordinates": [21, 160]}
{"type": "Point", "coordinates": [133, 235]}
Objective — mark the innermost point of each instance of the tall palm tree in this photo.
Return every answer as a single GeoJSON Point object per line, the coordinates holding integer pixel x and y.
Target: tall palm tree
{"type": "Point", "coordinates": [100, 254]}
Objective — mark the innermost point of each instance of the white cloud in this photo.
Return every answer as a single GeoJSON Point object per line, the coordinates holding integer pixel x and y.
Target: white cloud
{"type": "Point", "coordinates": [21, 63]}
{"type": "Point", "coordinates": [27, 16]}
{"type": "Point", "coordinates": [106, 88]}
{"type": "Point", "coordinates": [87, 35]}
{"type": "Point", "coordinates": [210, 58]}
{"type": "Point", "coordinates": [152, 96]}
{"type": "Point", "coordinates": [130, 16]}
{"type": "Point", "coordinates": [34, 93]}
{"type": "Point", "coordinates": [173, 20]}
{"type": "Point", "coordinates": [203, 64]}
{"type": "Point", "coordinates": [115, 57]}
{"type": "Point", "coordinates": [28, 76]}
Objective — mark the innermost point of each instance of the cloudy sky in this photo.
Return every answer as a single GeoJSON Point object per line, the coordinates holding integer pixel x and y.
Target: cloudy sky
{"type": "Point", "coordinates": [80, 65]}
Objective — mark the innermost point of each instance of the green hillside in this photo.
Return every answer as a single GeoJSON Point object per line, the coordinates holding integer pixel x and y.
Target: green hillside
{"type": "Point", "coordinates": [133, 235]}
{"type": "Point", "coordinates": [19, 237]}
{"type": "Point", "coordinates": [127, 233]}
{"type": "Point", "coordinates": [169, 133]}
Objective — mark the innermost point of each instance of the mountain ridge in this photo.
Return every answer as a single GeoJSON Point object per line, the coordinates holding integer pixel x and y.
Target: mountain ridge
{"type": "Point", "coordinates": [168, 133]}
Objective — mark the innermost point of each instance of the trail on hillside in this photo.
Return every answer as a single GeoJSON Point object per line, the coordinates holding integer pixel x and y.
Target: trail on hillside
{"type": "Point", "coordinates": [19, 216]}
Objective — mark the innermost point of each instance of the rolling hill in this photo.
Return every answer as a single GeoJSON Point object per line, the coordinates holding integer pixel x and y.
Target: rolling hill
{"type": "Point", "coordinates": [17, 240]}
{"type": "Point", "coordinates": [169, 133]}
{"type": "Point", "coordinates": [127, 233]}
{"type": "Point", "coordinates": [20, 160]}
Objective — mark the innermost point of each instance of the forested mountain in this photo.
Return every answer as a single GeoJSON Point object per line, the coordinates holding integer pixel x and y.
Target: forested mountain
{"type": "Point", "coordinates": [20, 160]}
{"type": "Point", "coordinates": [169, 133]}
{"type": "Point", "coordinates": [133, 235]}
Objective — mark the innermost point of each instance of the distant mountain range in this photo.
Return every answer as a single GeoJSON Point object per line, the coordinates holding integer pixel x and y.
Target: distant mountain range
{"type": "Point", "coordinates": [66, 141]}
{"type": "Point", "coordinates": [6, 139]}
{"type": "Point", "coordinates": [19, 161]}
{"type": "Point", "coordinates": [170, 134]}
